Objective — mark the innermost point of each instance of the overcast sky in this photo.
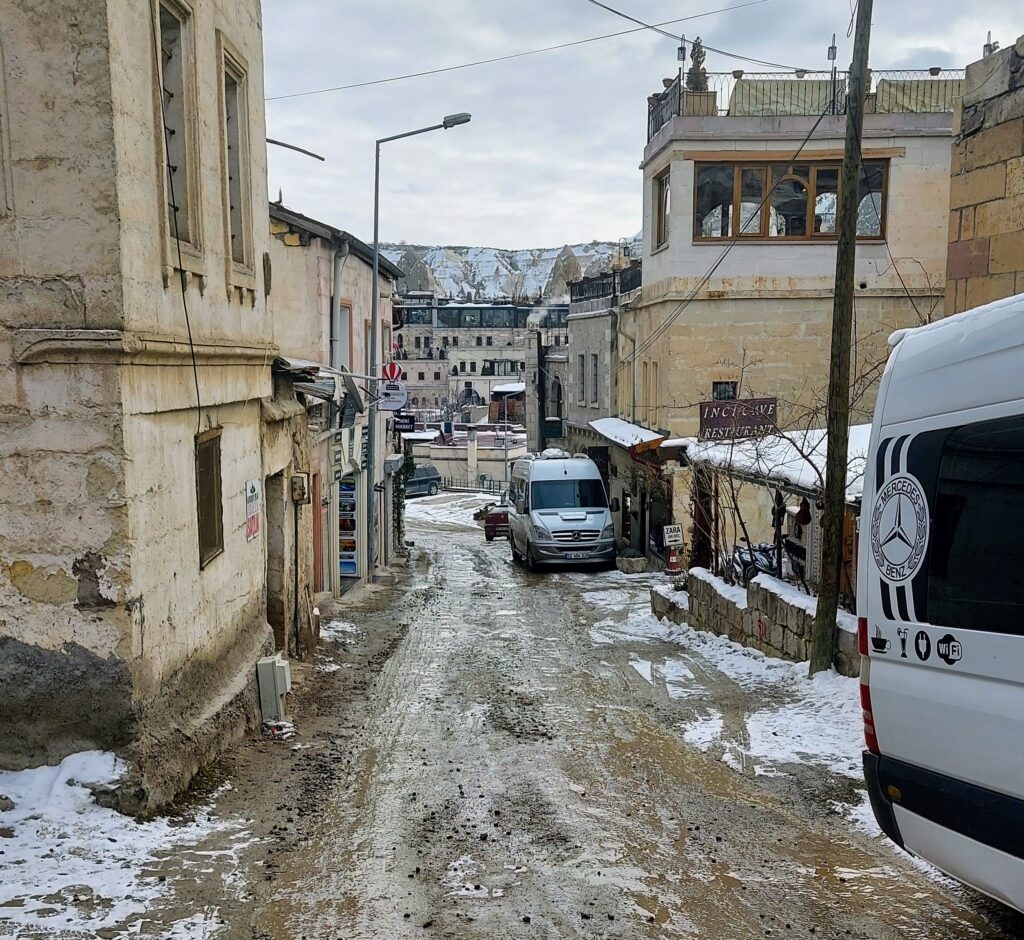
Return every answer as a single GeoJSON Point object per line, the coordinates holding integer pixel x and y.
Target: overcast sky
{"type": "Point", "coordinates": [552, 152]}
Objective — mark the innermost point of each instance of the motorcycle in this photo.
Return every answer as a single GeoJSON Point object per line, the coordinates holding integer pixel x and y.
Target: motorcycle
{"type": "Point", "coordinates": [748, 561]}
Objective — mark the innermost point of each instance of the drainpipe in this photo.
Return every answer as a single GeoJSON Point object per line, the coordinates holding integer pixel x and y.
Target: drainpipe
{"type": "Point", "coordinates": [632, 384]}
{"type": "Point", "coordinates": [340, 335]}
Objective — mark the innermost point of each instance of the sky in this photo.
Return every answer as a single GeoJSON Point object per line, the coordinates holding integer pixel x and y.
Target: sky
{"type": "Point", "coordinates": [551, 156]}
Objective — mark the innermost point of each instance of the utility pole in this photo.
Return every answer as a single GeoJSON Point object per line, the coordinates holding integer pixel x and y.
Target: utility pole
{"type": "Point", "coordinates": [838, 423]}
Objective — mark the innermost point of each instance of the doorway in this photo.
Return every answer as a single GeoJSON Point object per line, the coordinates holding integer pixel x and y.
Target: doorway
{"type": "Point", "coordinates": [276, 581]}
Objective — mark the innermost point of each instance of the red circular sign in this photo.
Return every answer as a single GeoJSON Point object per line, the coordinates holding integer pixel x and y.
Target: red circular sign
{"type": "Point", "coordinates": [392, 371]}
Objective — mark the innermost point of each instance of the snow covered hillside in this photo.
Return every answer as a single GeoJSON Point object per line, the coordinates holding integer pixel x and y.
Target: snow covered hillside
{"type": "Point", "coordinates": [492, 273]}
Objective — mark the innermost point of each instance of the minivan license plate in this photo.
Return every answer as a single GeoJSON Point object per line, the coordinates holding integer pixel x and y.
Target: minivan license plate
{"type": "Point", "coordinates": [572, 556]}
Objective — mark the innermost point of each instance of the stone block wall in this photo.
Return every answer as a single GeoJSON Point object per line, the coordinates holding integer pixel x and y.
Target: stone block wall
{"type": "Point", "coordinates": [760, 618]}
{"type": "Point", "coordinates": [985, 260]}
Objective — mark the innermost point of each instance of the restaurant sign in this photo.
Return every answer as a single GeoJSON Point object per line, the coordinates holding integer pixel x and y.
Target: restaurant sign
{"type": "Point", "coordinates": [731, 419]}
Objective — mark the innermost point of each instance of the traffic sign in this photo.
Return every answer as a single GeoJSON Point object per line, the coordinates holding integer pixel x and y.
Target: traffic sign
{"type": "Point", "coordinates": [392, 371]}
{"type": "Point", "coordinates": [393, 396]}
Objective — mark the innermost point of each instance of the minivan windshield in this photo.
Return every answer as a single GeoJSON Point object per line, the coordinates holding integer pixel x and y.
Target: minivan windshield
{"type": "Point", "coordinates": [568, 494]}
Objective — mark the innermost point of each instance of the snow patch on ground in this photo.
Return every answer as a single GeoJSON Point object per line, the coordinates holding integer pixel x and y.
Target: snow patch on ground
{"type": "Point", "coordinates": [447, 510]}
{"type": "Point", "coordinates": [70, 865]}
{"type": "Point", "coordinates": [704, 730]}
{"type": "Point", "coordinates": [823, 725]}
{"type": "Point", "coordinates": [339, 630]}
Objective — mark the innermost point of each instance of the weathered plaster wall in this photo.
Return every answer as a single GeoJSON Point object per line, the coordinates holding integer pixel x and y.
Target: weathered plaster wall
{"type": "Point", "coordinates": [63, 558]}
{"type": "Point", "coordinates": [986, 220]}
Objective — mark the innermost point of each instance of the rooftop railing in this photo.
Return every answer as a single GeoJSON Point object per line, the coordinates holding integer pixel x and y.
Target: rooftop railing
{"type": "Point", "coordinates": [774, 94]}
{"type": "Point", "coordinates": [606, 284]}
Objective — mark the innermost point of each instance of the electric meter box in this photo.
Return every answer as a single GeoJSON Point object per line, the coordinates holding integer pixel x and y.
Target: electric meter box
{"type": "Point", "coordinates": [274, 677]}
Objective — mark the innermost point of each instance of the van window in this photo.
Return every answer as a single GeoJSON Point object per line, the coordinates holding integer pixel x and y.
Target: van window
{"type": "Point", "coordinates": [976, 568]}
{"type": "Point", "coordinates": [568, 494]}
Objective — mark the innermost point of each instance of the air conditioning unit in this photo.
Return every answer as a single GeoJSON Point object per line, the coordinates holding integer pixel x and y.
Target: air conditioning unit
{"type": "Point", "coordinates": [274, 678]}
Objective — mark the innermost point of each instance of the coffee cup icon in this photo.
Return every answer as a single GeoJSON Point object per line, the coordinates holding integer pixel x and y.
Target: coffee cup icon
{"type": "Point", "coordinates": [879, 643]}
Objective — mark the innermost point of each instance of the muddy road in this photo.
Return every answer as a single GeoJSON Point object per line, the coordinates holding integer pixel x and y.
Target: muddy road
{"type": "Point", "coordinates": [481, 757]}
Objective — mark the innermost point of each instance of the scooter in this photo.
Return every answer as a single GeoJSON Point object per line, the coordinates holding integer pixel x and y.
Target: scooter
{"type": "Point", "coordinates": [748, 561]}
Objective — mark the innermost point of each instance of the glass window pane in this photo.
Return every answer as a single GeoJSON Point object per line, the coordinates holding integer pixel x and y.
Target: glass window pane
{"type": "Point", "coordinates": [826, 200]}
{"type": "Point", "coordinates": [751, 196]}
{"type": "Point", "coordinates": [976, 564]}
{"type": "Point", "coordinates": [869, 208]}
{"type": "Point", "coordinates": [713, 200]}
{"type": "Point", "coordinates": [787, 209]}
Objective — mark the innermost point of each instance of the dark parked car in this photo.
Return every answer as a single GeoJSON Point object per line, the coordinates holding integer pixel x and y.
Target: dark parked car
{"type": "Point", "coordinates": [496, 521]}
{"type": "Point", "coordinates": [425, 481]}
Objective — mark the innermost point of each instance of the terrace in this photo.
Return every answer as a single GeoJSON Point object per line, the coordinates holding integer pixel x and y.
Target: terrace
{"type": "Point", "coordinates": [774, 94]}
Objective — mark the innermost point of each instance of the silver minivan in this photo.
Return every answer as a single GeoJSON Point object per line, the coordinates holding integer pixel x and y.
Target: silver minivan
{"type": "Point", "coordinates": [559, 512]}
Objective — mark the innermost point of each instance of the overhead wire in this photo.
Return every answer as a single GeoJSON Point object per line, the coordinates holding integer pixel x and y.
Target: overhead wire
{"type": "Point", "coordinates": [528, 52]}
{"type": "Point", "coordinates": [730, 55]}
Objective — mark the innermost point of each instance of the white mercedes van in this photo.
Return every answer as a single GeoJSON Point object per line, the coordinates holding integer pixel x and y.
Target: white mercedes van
{"type": "Point", "coordinates": [559, 511]}
{"type": "Point", "coordinates": [941, 598]}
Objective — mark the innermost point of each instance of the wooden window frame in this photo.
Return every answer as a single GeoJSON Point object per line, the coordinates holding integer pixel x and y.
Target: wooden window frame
{"type": "Point", "coordinates": [809, 237]}
{"type": "Point", "coordinates": [241, 275]}
{"type": "Point", "coordinates": [662, 208]}
{"type": "Point", "coordinates": [201, 440]}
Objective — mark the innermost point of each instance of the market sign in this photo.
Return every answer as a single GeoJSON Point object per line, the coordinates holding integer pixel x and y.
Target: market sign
{"type": "Point", "coordinates": [731, 419]}
{"type": "Point", "coordinates": [405, 423]}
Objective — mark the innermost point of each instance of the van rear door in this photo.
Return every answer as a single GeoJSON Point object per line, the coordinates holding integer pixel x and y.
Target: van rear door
{"type": "Point", "coordinates": [943, 593]}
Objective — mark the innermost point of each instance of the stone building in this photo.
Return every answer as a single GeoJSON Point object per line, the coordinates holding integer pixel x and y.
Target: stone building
{"type": "Point", "coordinates": [321, 307]}
{"type": "Point", "coordinates": [135, 344]}
{"type": "Point", "coordinates": [739, 245]}
{"type": "Point", "coordinates": [986, 221]}
{"type": "Point", "coordinates": [454, 354]}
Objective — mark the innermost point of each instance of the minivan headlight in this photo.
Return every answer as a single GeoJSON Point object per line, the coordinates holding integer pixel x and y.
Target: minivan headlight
{"type": "Point", "coordinates": [541, 532]}
{"type": "Point", "coordinates": [608, 532]}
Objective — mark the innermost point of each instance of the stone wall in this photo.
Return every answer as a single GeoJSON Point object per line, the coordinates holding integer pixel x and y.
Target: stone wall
{"type": "Point", "coordinates": [766, 616]}
{"type": "Point", "coordinates": [986, 219]}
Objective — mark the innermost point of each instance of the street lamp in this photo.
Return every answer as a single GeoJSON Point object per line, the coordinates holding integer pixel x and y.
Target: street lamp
{"type": "Point", "coordinates": [450, 120]}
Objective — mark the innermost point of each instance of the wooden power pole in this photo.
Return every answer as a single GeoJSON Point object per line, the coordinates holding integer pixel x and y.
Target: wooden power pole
{"type": "Point", "coordinates": [838, 424]}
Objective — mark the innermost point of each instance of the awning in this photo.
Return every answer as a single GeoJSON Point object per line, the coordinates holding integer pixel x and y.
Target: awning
{"type": "Point", "coordinates": [633, 437]}
{"type": "Point", "coordinates": [510, 388]}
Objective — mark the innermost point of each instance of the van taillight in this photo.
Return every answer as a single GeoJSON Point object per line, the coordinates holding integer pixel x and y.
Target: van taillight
{"type": "Point", "coordinates": [869, 719]}
{"type": "Point", "coordinates": [862, 635]}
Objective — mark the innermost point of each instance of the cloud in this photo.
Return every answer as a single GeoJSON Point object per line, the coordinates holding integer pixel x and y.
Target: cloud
{"type": "Point", "coordinates": [552, 153]}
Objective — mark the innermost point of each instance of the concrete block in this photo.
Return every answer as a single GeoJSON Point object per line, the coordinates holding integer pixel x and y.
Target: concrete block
{"type": "Point", "coordinates": [954, 226]}
{"type": "Point", "coordinates": [995, 144]}
{"type": "Point", "coordinates": [1015, 177]}
{"type": "Point", "coordinates": [966, 224]}
{"type": "Point", "coordinates": [984, 290]}
{"type": "Point", "coordinates": [984, 185]}
{"type": "Point", "coordinates": [1000, 218]}
{"type": "Point", "coordinates": [1007, 253]}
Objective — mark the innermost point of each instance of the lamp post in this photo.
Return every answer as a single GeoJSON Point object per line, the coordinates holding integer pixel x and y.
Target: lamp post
{"type": "Point", "coordinates": [451, 120]}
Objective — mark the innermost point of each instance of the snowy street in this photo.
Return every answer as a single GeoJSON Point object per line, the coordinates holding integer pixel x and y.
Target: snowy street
{"type": "Point", "coordinates": [488, 753]}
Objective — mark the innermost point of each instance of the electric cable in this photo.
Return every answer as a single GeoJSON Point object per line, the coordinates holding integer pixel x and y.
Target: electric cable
{"type": "Point", "coordinates": [519, 55]}
{"type": "Point", "coordinates": [730, 55]}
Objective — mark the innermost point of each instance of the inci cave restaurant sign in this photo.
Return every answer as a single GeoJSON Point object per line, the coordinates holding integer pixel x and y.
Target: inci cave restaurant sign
{"type": "Point", "coordinates": [747, 417]}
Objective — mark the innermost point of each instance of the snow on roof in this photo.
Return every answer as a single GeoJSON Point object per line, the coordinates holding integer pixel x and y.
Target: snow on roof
{"type": "Point", "coordinates": [679, 442]}
{"type": "Point", "coordinates": [793, 458]}
{"type": "Point", "coordinates": [510, 388]}
{"type": "Point", "coordinates": [623, 433]}
{"type": "Point", "coordinates": [419, 435]}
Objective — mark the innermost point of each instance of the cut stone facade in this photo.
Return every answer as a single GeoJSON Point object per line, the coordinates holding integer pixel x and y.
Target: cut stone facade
{"type": "Point", "coordinates": [986, 217]}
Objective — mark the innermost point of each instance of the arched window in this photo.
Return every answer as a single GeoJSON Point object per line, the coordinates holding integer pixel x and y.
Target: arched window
{"type": "Point", "coordinates": [556, 397]}
{"type": "Point", "coordinates": [787, 208]}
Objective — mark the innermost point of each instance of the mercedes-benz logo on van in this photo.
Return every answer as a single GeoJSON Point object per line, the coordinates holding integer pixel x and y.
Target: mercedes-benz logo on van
{"type": "Point", "coordinates": [899, 528]}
